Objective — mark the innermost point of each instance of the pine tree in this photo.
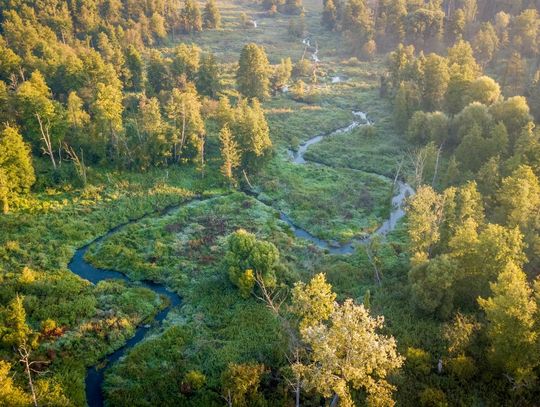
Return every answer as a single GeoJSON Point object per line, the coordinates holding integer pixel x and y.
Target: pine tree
{"type": "Point", "coordinates": [230, 154]}
{"type": "Point", "coordinates": [253, 133]}
{"type": "Point", "coordinates": [253, 75]}
{"type": "Point", "coordinates": [16, 170]}
{"type": "Point", "coordinates": [211, 15]}
{"type": "Point", "coordinates": [208, 79]}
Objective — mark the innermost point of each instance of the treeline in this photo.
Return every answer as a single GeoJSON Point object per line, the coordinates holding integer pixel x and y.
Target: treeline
{"type": "Point", "coordinates": [474, 223]}
{"type": "Point", "coordinates": [493, 25]}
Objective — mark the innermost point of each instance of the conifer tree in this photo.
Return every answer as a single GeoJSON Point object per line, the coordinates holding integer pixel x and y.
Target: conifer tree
{"type": "Point", "coordinates": [208, 78]}
{"type": "Point", "coordinates": [253, 75]}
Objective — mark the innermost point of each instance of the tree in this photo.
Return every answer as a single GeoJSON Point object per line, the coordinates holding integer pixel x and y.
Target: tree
{"type": "Point", "coordinates": [191, 17]}
{"type": "Point", "coordinates": [456, 26]}
{"type": "Point", "coordinates": [10, 394]}
{"type": "Point", "coordinates": [211, 15]}
{"type": "Point", "coordinates": [348, 353]}
{"type": "Point", "coordinates": [16, 170]}
{"type": "Point", "coordinates": [158, 73]}
{"type": "Point", "coordinates": [33, 99]}
{"type": "Point", "coordinates": [329, 15]}
{"type": "Point", "coordinates": [519, 198]}
{"type": "Point", "coordinates": [461, 60]}
{"type": "Point", "coordinates": [253, 75]}
{"type": "Point", "coordinates": [484, 90]}
{"type": "Point", "coordinates": [511, 312]}
{"type": "Point", "coordinates": [292, 7]}
{"type": "Point", "coordinates": [249, 261]}
{"type": "Point", "coordinates": [406, 102]}
{"type": "Point", "coordinates": [525, 32]}
{"type": "Point", "coordinates": [436, 79]}
{"type": "Point", "coordinates": [149, 142]}
{"type": "Point", "coordinates": [357, 21]}
{"type": "Point", "coordinates": [424, 216]}
{"type": "Point", "coordinates": [20, 336]}
{"type": "Point", "coordinates": [230, 154]}
{"type": "Point", "coordinates": [184, 111]}
{"type": "Point", "coordinates": [313, 303]}
{"type": "Point", "coordinates": [393, 13]}
{"type": "Point", "coordinates": [208, 78]}
{"type": "Point", "coordinates": [135, 66]}
{"type": "Point", "coordinates": [107, 114]}
{"type": "Point", "coordinates": [282, 74]}
{"type": "Point", "coordinates": [486, 44]}
{"type": "Point", "coordinates": [428, 127]}
{"type": "Point", "coordinates": [240, 384]}
{"type": "Point", "coordinates": [514, 113]}
{"type": "Point", "coordinates": [424, 27]}
{"type": "Point", "coordinates": [186, 61]}
{"type": "Point", "coordinates": [534, 96]}
{"type": "Point", "coordinates": [432, 286]}
{"type": "Point", "coordinates": [157, 27]}
{"type": "Point", "coordinates": [253, 133]}
{"type": "Point", "coordinates": [515, 74]}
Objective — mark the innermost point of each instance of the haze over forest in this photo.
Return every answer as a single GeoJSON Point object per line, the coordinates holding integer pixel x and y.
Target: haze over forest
{"type": "Point", "coordinates": [269, 203]}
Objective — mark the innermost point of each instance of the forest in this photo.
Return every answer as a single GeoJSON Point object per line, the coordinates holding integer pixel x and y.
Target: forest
{"type": "Point", "coordinates": [269, 203]}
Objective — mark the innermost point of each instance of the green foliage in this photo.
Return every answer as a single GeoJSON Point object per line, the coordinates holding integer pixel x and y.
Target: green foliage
{"type": "Point", "coordinates": [511, 312]}
{"type": "Point", "coordinates": [313, 303]}
{"type": "Point", "coordinates": [253, 75]}
{"type": "Point", "coordinates": [432, 397]}
{"type": "Point", "coordinates": [418, 361]}
{"type": "Point", "coordinates": [240, 384]}
{"type": "Point", "coordinates": [211, 15]}
{"type": "Point", "coordinates": [249, 261]}
{"type": "Point", "coordinates": [16, 169]}
{"type": "Point", "coordinates": [10, 393]}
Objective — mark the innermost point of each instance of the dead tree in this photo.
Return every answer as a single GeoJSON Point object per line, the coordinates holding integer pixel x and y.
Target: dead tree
{"type": "Point", "coordinates": [25, 352]}
{"type": "Point", "coordinates": [274, 298]}
{"type": "Point", "coordinates": [78, 161]}
{"type": "Point", "coordinates": [46, 137]}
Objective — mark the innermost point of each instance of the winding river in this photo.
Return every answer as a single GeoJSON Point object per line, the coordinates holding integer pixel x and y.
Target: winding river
{"type": "Point", "coordinates": [78, 265]}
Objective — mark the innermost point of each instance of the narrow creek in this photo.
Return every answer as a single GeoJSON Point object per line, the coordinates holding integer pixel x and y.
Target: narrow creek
{"type": "Point", "coordinates": [78, 265]}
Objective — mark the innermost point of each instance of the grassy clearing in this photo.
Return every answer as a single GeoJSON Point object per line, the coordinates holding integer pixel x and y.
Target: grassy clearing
{"type": "Point", "coordinates": [331, 204]}
{"type": "Point", "coordinates": [379, 153]}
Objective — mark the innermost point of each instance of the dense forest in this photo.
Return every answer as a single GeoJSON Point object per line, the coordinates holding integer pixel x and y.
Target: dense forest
{"type": "Point", "coordinates": [269, 203]}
